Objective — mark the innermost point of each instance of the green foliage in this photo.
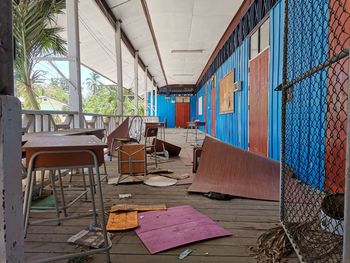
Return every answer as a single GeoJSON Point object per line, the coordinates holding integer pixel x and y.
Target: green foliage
{"type": "Point", "coordinates": [104, 102]}
{"type": "Point", "coordinates": [93, 82]}
{"type": "Point", "coordinates": [36, 36]}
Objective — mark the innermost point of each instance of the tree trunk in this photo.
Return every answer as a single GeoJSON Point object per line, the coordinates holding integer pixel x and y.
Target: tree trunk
{"type": "Point", "coordinates": [32, 98]}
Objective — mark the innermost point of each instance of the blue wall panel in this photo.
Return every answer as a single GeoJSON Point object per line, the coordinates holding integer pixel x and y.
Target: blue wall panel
{"type": "Point", "coordinates": [233, 127]}
{"type": "Point", "coordinates": [306, 111]}
{"type": "Point", "coordinates": [275, 79]}
{"type": "Point", "coordinates": [166, 110]}
{"type": "Point", "coordinates": [193, 108]}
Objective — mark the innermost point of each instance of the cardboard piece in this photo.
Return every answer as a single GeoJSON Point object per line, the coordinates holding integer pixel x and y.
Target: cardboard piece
{"type": "Point", "coordinates": [122, 221]}
{"type": "Point", "coordinates": [136, 207]}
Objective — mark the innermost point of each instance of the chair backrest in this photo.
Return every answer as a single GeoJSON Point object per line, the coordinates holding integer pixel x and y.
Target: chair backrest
{"type": "Point", "coordinates": [135, 128]}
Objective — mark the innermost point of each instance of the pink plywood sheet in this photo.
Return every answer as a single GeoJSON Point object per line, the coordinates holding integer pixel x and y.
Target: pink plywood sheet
{"type": "Point", "coordinates": [177, 226]}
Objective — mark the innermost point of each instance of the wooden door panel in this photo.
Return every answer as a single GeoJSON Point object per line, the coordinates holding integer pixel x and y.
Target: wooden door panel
{"type": "Point", "coordinates": [182, 114]}
{"type": "Point", "coordinates": [258, 103]}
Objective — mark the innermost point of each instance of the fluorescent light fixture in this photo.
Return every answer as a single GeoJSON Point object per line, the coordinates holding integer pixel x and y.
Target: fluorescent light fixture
{"type": "Point", "coordinates": [187, 51]}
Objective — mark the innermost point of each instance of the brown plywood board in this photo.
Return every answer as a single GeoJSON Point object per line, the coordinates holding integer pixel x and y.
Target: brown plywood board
{"type": "Point", "coordinates": [229, 170]}
{"type": "Point", "coordinates": [137, 158]}
{"type": "Point", "coordinates": [122, 221]}
{"type": "Point", "coordinates": [136, 207]}
{"type": "Point", "coordinates": [121, 131]}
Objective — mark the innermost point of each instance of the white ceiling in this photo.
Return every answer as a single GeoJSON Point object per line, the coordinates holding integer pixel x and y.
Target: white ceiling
{"type": "Point", "coordinates": [178, 25]}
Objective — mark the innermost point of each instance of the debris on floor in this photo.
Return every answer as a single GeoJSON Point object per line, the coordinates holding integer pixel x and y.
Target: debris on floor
{"type": "Point", "coordinates": [44, 203]}
{"type": "Point", "coordinates": [92, 237]}
{"type": "Point", "coordinates": [184, 253]}
{"type": "Point", "coordinates": [83, 259]}
{"type": "Point", "coordinates": [136, 207]}
{"type": "Point", "coordinates": [272, 246]}
{"type": "Point", "coordinates": [126, 179]}
{"type": "Point", "coordinates": [122, 221]}
{"type": "Point", "coordinates": [176, 226]}
{"type": "Point", "coordinates": [218, 196]}
{"type": "Point", "coordinates": [177, 176]}
{"type": "Point", "coordinates": [124, 196]}
{"type": "Point", "coordinates": [160, 171]}
{"type": "Point", "coordinates": [159, 181]}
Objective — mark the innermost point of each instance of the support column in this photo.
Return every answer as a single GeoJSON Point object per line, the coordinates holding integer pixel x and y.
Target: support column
{"type": "Point", "coordinates": [136, 81]}
{"type": "Point", "coordinates": [75, 98]}
{"type": "Point", "coordinates": [156, 100]}
{"type": "Point", "coordinates": [151, 111]}
{"type": "Point", "coordinates": [11, 208]}
{"type": "Point", "coordinates": [118, 48]}
{"type": "Point", "coordinates": [145, 101]}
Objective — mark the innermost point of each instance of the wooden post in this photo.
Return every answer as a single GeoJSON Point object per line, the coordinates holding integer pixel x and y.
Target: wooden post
{"type": "Point", "coordinates": [145, 97]}
{"type": "Point", "coordinates": [11, 214]}
{"type": "Point", "coordinates": [75, 98]}
{"type": "Point", "coordinates": [136, 78]}
{"type": "Point", "coordinates": [118, 48]}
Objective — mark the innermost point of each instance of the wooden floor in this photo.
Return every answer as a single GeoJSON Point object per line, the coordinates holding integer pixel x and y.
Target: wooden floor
{"type": "Point", "coordinates": [245, 218]}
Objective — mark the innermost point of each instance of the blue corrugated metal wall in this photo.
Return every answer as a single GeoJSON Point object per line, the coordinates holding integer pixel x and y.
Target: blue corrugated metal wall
{"type": "Point", "coordinates": [275, 79]}
{"type": "Point", "coordinates": [233, 127]}
{"type": "Point", "coordinates": [305, 134]}
{"type": "Point", "coordinates": [166, 110]}
{"type": "Point", "coordinates": [208, 91]}
{"type": "Point", "coordinates": [149, 103]}
{"type": "Point", "coordinates": [193, 108]}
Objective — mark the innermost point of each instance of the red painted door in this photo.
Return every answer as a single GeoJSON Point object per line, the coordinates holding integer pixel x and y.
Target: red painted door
{"type": "Point", "coordinates": [213, 109]}
{"type": "Point", "coordinates": [182, 114]}
{"type": "Point", "coordinates": [258, 103]}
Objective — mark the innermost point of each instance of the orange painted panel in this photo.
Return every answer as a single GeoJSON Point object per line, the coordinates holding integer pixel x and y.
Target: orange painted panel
{"type": "Point", "coordinates": [338, 83]}
{"type": "Point", "coordinates": [258, 103]}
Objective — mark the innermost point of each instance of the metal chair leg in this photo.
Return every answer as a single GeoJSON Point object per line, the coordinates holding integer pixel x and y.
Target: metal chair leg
{"type": "Point", "coordinates": [28, 199]}
{"type": "Point", "coordinates": [102, 210]}
{"type": "Point", "coordinates": [62, 193]}
{"type": "Point", "coordinates": [84, 182]}
{"type": "Point", "coordinates": [54, 192]}
{"type": "Point", "coordinates": [92, 191]}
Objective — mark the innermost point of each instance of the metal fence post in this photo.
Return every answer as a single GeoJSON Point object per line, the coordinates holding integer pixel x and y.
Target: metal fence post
{"type": "Point", "coordinates": [346, 237]}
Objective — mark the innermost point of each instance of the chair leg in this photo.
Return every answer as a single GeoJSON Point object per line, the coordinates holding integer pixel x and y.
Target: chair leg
{"type": "Point", "coordinates": [62, 193]}
{"type": "Point", "coordinates": [84, 182]}
{"type": "Point", "coordinates": [42, 182]}
{"type": "Point", "coordinates": [92, 191]}
{"type": "Point", "coordinates": [28, 199]}
{"type": "Point", "coordinates": [52, 179]}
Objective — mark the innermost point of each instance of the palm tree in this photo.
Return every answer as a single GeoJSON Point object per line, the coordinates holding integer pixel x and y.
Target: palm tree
{"type": "Point", "coordinates": [36, 35]}
{"type": "Point", "coordinates": [93, 82]}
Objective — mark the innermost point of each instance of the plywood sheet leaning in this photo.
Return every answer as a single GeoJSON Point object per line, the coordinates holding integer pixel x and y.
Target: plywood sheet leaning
{"type": "Point", "coordinates": [172, 149]}
{"type": "Point", "coordinates": [229, 170]}
{"type": "Point", "coordinates": [121, 131]}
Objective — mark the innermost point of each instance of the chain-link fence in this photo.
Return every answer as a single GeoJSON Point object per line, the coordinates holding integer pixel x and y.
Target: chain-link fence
{"type": "Point", "coordinates": [314, 126]}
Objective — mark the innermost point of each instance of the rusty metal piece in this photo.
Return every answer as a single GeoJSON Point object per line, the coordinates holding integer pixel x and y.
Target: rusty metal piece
{"type": "Point", "coordinates": [229, 170]}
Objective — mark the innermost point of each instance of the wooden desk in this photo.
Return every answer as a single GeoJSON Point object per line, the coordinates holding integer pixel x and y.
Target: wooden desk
{"type": "Point", "coordinates": [64, 152]}
{"type": "Point", "coordinates": [64, 143]}
{"type": "Point", "coordinates": [99, 133]}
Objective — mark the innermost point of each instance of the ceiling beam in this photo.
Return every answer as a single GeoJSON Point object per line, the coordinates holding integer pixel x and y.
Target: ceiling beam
{"type": "Point", "coordinates": [102, 4]}
{"type": "Point", "coordinates": [231, 27]}
{"type": "Point", "coordinates": [150, 26]}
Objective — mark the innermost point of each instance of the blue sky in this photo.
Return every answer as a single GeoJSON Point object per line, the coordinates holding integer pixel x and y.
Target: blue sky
{"type": "Point", "coordinates": [51, 72]}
